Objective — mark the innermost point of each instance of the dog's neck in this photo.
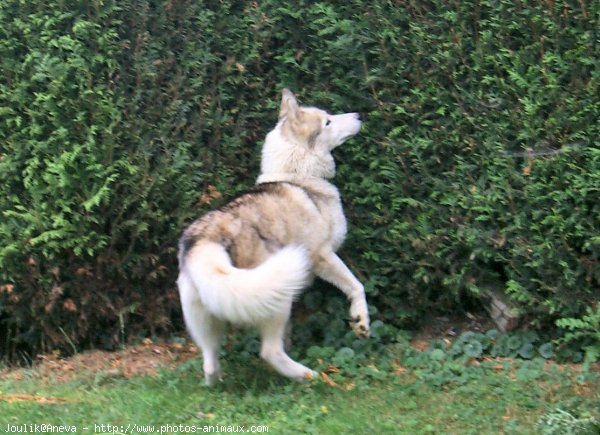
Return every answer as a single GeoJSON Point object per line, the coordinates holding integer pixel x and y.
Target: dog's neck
{"type": "Point", "coordinates": [315, 184]}
{"type": "Point", "coordinates": [290, 177]}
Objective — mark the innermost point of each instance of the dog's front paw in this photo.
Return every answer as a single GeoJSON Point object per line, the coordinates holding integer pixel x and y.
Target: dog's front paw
{"type": "Point", "coordinates": [359, 318]}
{"type": "Point", "coordinates": [360, 326]}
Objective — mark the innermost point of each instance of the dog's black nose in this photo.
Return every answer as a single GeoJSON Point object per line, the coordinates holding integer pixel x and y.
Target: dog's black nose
{"type": "Point", "coordinates": [358, 116]}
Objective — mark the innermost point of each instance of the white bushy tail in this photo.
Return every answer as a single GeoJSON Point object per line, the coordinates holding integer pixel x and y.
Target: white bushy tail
{"type": "Point", "coordinates": [247, 295]}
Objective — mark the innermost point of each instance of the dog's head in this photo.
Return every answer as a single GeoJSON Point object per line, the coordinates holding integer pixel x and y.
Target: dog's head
{"type": "Point", "coordinates": [303, 139]}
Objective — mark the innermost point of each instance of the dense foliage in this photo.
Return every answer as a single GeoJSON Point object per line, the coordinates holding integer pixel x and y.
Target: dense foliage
{"type": "Point", "coordinates": [478, 164]}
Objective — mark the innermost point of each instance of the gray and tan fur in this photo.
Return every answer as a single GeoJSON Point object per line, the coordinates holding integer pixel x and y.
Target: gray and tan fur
{"type": "Point", "coordinates": [246, 262]}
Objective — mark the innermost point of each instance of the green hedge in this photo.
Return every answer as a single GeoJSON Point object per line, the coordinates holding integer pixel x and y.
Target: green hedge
{"type": "Point", "coordinates": [478, 164]}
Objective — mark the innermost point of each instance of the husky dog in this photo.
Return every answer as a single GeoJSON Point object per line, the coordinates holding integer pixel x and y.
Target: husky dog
{"type": "Point", "coordinates": [246, 262]}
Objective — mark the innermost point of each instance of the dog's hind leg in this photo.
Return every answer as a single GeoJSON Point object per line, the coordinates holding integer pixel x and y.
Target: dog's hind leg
{"type": "Point", "coordinates": [205, 329]}
{"type": "Point", "coordinates": [272, 350]}
{"type": "Point", "coordinates": [287, 335]}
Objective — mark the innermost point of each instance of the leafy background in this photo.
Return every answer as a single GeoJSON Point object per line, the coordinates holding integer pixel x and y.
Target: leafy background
{"type": "Point", "coordinates": [478, 164]}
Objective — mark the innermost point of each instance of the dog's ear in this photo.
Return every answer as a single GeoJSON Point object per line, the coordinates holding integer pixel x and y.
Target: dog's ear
{"type": "Point", "coordinates": [289, 104]}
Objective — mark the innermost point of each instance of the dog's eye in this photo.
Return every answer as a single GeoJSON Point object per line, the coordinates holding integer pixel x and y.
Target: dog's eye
{"type": "Point", "coordinates": [327, 122]}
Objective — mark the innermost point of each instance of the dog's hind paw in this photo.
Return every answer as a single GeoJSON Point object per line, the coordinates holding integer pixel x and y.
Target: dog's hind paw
{"type": "Point", "coordinates": [212, 379]}
{"type": "Point", "coordinates": [310, 375]}
{"type": "Point", "coordinates": [360, 326]}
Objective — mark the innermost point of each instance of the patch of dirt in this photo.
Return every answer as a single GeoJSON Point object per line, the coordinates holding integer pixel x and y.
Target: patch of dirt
{"type": "Point", "coordinates": [141, 360]}
{"type": "Point", "coordinates": [448, 327]}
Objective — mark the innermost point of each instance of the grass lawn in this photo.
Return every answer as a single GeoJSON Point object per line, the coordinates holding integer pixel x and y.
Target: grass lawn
{"type": "Point", "coordinates": [158, 387]}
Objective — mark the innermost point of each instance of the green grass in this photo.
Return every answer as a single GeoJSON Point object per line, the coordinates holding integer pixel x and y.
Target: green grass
{"type": "Point", "coordinates": [487, 396]}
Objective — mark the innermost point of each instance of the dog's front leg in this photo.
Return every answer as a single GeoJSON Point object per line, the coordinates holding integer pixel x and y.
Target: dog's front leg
{"type": "Point", "coordinates": [333, 270]}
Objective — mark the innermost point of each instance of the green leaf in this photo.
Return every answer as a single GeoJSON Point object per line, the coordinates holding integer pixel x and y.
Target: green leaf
{"type": "Point", "coordinates": [437, 355]}
{"type": "Point", "coordinates": [473, 349]}
{"type": "Point", "coordinates": [526, 351]}
{"type": "Point", "coordinates": [546, 350]}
